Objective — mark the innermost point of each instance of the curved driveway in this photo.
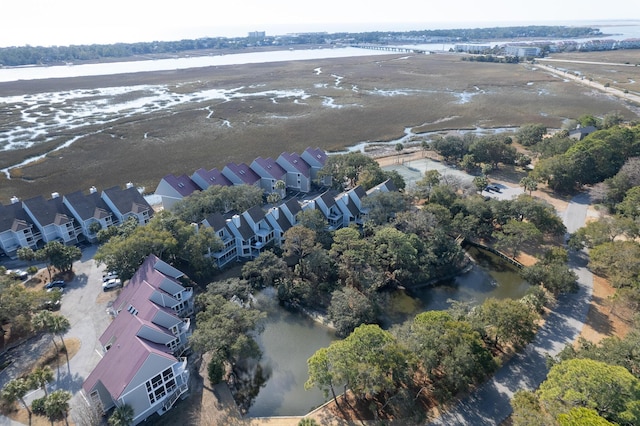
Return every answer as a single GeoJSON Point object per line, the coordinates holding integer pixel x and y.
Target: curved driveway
{"type": "Point", "coordinates": [489, 404]}
{"type": "Point", "coordinates": [85, 306]}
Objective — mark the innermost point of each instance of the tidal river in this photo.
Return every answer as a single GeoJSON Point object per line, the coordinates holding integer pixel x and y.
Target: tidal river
{"type": "Point", "coordinates": [86, 70]}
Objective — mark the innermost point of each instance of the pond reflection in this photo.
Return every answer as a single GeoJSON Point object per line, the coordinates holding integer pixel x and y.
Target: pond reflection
{"type": "Point", "coordinates": [491, 276]}
{"type": "Point", "coordinates": [288, 340]}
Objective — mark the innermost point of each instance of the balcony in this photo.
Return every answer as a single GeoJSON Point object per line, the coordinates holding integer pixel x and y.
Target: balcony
{"type": "Point", "coordinates": [168, 403]}
{"type": "Point", "coordinates": [184, 327]}
{"type": "Point", "coordinates": [187, 294]}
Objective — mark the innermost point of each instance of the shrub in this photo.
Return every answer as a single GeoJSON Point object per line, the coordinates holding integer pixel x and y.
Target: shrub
{"type": "Point", "coordinates": [37, 406]}
{"type": "Point", "coordinates": [215, 370]}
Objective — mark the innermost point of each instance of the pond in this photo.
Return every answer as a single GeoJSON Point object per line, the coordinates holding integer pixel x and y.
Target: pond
{"type": "Point", "coordinates": [491, 276]}
{"type": "Point", "coordinates": [290, 338]}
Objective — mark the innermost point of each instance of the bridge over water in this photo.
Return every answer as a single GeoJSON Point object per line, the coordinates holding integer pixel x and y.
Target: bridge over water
{"type": "Point", "coordinates": [390, 48]}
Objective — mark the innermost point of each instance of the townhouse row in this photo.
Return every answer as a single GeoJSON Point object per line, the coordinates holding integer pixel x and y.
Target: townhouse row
{"type": "Point", "coordinates": [142, 363]}
{"type": "Point", "coordinates": [78, 216]}
{"type": "Point", "coordinates": [70, 218]}
{"type": "Point", "coordinates": [296, 172]}
{"type": "Point", "coordinates": [245, 235]}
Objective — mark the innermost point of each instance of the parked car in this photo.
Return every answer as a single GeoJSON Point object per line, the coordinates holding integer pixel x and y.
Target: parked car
{"type": "Point", "coordinates": [54, 303]}
{"type": "Point", "coordinates": [112, 283]}
{"type": "Point", "coordinates": [55, 284]}
{"type": "Point", "coordinates": [18, 274]}
{"type": "Point", "coordinates": [109, 276]}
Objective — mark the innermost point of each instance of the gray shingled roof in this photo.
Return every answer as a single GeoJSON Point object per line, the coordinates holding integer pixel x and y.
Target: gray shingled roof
{"type": "Point", "coordinates": [13, 217]}
{"type": "Point", "coordinates": [88, 206]}
{"type": "Point", "coordinates": [256, 213]}
{"type": "Point", "coordinates": [48, 212]}
{"type": "Point", "coordinates": [127, 200]}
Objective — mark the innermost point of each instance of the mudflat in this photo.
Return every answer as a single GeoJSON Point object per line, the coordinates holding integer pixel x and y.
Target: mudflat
{"type": "Point", "coordinates": [269, 108]}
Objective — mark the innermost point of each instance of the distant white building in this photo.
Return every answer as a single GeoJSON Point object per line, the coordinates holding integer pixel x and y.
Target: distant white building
{"type": "Point", "coordinates": [522, 51]}
{"type": "Point", "coordinates": [472, 48]}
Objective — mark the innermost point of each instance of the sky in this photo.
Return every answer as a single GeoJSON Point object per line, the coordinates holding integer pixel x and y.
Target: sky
{"type": "Point", "coordinates": [64, 22]}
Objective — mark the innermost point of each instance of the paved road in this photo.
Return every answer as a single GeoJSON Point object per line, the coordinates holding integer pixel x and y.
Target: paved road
{"type": "Point", "coordinates": [84, 305]}
{"type": "Point", "coordinates": [489, 404]}
{"type": "Point", "coordinates": [575, 61]}
{"type": "Point", "coordinates": [568, 75]}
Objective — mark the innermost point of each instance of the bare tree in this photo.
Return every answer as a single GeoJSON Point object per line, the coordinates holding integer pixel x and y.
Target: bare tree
{"type": "Point", "coordinates": [88, 413]}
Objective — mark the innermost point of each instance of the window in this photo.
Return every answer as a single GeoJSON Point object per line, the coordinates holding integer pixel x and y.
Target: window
{"type": "Point", "coordinates": [156, 380]}
{"type": "Point", "coordinates": [160, 385]}
{"type": "Point", "coordinates": [166, 374]}
{"type": "Point", "coordinates": [171, 385]}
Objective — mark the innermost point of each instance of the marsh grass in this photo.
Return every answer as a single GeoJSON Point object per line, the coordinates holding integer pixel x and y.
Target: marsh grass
{"type": "Point", "coordinates": [376, 98]}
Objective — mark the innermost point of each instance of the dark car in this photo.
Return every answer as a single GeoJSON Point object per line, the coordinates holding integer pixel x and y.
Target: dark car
{"type": "Point", "coordinates": [55, 284]}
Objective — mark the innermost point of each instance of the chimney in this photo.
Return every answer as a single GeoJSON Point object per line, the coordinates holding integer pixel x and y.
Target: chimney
{"type": "Point", "coordinates": [129, 185]}
{"type": "Point", "coordinates": [236, 220]}
{"type": "Point", "coordinates": [15, 200]}
{"type": "Point", "coordinates": [55, 195]}
{"type": "Point", "coordinates": [92, 190]}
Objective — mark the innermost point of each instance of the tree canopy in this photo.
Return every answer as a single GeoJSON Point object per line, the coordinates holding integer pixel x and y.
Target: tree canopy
{"type": "Point", "coordinates": [597, 157]}
{"type": "Point", "coordinates": [609, 390]}
{"type": "Point", "coordinates": [225, 327]}
{"type": "Point", "coordinates": [368, 362]}
{"type": "Point", "coordinates": [217, 199]}
{"type": "Point", "coordinates": [355, 168]}
{"type": "Point", "coordinates": [167, 237]}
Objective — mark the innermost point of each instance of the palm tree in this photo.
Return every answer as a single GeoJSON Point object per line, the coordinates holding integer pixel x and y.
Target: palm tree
{"type": "Point", "coordinates": [425, 145]}
{"type": "Point", "coordinates": [15, 390]}
{"type": "Point", "coordinates": [281, 186]}
{"type": "Point", "coordinates": [50, 323]}
{"type": "Point", "coordinates": [529, 184]}
{"type": "Point", "coordinates": [56, 405]}
{"type": "Point", "coordinates": [41, 321]}
{"type": "Point", "coordinates": [60, 325]}
{"type": "Point", "coordinates": [122, 416]}
{"type": "Point", "coordinates": [40, 377]}
{"type": "Point", "coordinates": [274, 198]}
{"type": "Point", "coordinates": [399, 148]}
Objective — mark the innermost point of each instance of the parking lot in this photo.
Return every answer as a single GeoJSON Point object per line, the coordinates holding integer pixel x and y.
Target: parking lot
{"type": "Point", "coordinates": [414, 170]}
{"type": "Point", "coordinates": [85, 305]}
